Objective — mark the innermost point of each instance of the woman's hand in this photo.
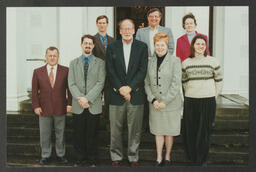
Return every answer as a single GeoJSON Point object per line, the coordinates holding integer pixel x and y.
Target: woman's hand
{"type": "Point", "coordinates": [162, 105]}
{"type": "Point", "coordinates": [156, 105]}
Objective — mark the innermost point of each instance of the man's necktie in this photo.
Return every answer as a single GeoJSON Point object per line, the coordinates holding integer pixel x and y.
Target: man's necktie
{"type": "Point", "coordinates": [86, 66]}
{"type": "Point", "coordinates": [104, 43]}
{"type": "Point", "coordinates": [51, 77]}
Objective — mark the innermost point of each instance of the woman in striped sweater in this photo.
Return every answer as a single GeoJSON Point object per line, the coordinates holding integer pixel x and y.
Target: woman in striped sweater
{"type": "Point", "coordinates": [201, 79]}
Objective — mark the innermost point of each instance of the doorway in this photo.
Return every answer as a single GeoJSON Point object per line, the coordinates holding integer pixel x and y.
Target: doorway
{"type": "Point", "coordinates": [137, 13]}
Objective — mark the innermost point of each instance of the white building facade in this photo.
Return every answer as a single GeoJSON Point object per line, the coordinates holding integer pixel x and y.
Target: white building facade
{"type": "Point", "coordinates": [30, 31]}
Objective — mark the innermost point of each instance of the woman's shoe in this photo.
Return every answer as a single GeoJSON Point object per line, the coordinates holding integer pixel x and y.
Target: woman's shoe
{"type": "Point", "coordinates": [159, 164]}
{"type": "Point", "coordinates": [167, 163]}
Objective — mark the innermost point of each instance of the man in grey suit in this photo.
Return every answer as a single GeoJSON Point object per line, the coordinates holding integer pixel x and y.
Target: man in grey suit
{"type": "Point", "coordinates": [126, 65]}
{"type": "Point", "coordinates": [86, 80]}
{"type": "Point", "coordinates": [147, 34]}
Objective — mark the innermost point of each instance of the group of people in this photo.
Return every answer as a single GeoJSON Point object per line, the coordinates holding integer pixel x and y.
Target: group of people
{"type": "Point", "coordinates": [132, 73]}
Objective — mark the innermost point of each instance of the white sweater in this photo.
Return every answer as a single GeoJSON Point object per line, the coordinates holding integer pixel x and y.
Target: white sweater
{"type": "Point", "coordinates": [201, 77]}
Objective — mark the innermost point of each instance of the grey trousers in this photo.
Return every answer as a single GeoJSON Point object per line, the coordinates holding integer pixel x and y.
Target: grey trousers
{"type": "Point", "coordinates": [117, 115]}
{"type": "Point", "coordinates": [45, 125]}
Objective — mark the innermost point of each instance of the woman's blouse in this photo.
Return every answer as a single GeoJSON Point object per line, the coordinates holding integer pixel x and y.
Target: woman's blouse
{"type": "Point", "coordinates": [159, 62]}
{"type": "Point", "coordinates": [201, 77]}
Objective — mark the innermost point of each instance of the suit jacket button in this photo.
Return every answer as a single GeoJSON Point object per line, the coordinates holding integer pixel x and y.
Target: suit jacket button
{"type": "Point", "coordinates": [160, 92]}
{"type": "Point", "coordinates": [159, 77]}
{"type": "Point", "coordinates": [159, 85]}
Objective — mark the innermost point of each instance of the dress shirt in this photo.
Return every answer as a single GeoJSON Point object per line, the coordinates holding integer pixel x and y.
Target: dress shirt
{"type": "Point", "coordinates": [101, 39]}
{"type": "Point", "coordinates": [127, 52]}
{"type": "Point", "coordinates": [152, 33]}
{"type": "Point", "coordinates": [191, 36]}
{"type": "Point", "coordinates": [89, 58]}
{"type": "Point", "coordinates": [54, 70]}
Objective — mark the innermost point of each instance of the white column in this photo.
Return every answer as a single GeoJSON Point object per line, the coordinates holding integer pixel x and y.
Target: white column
{"type": "Point", "coordinates": [218, 34]}
{"type": "Point", "coordinates": [71, 25]}
{"type": "Point", "coordinates": [236, 51]}
{"type": "Point", "coordinates": [11, 66]}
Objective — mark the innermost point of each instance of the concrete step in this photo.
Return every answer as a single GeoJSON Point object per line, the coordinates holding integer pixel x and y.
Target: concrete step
{"type": "Point", "coordinates": [217, 154]}
{"type": "Point", "coordinates": [31, 121]}
{"type": "Point", "coordinates": [33, 162]}
{"type": "Point", "coordinates": [30, 135]}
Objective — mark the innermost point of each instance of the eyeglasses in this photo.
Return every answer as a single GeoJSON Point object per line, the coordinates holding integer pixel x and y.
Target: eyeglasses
{"type": "Point", "coordinates": [127, 29]}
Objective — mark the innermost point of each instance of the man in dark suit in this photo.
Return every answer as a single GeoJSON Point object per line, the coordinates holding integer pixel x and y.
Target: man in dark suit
{"type": "Point", "coordinates": [102, 39]}
{"type": "Point", "coordinates": [50, 103]}
{"type": "Point", "coordinates": [126, 65]}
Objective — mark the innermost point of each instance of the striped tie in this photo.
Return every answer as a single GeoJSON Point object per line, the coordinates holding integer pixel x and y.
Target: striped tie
{"type": "Point", "coordinates": [86, 66]}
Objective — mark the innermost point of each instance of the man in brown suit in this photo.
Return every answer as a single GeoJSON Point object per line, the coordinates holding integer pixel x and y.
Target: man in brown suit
{"type": "Point", "coordinates": [51, 100]}
{"type": "Point", "coordinates": [102, 40]}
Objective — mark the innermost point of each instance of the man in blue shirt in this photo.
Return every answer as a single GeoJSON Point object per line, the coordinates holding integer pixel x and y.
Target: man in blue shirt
{"type": "Point", "coordinates": [86, 80]}
{"type": "Point", "coordinates": [102, 40]}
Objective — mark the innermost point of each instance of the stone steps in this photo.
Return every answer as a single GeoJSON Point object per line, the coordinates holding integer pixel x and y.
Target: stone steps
{"type": "Point", "coordinates": [216, 154]}
{"type": "Point", "coordinates": [230, 139]}
{"type": "Point", "coordinates": [31, 135]}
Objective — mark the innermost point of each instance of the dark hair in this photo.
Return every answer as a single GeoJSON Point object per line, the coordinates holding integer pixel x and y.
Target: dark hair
{"type": "Point", "coordinates": [51, 48]}
{"type": "Point", "coordinates": [192, 49]}
{"type": "Point", "coordinates": [153, 10]}
{"type": "Point", "coordinates": [120, 23]}
{"type": "Point", "coordinates": [189, 15]}
{"type": "Point", "coordinates": [102, 17]}
{"type": "Point", "coordinates": [87, 36]}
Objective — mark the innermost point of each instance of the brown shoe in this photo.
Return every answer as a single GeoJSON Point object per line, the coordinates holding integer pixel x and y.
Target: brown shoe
{"type": "Point", "coordinates": [116, 164]}
{"type": "Point", "coordinates": [134, 164]}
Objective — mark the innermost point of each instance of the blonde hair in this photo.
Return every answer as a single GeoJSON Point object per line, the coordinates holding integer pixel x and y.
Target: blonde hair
{"type": "Point", "coordinates": [161, 36]}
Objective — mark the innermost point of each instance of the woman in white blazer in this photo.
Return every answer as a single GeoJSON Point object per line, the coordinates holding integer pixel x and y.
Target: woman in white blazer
{"type": "Point", "coordinates": [162, 85]}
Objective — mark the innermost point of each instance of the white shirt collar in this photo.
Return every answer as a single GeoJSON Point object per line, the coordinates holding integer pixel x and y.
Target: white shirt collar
{"type": "Point", "coordinates": [124, 43]}
{"type": "Point", "coordinates": [49, 67]}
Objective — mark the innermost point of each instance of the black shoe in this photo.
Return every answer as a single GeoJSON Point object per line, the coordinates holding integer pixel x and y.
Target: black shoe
{"type": "Point", "coordinates": [92, 164]}
{"type": "Point", "coordinates": [204, 164]}
{"type": "Point", "coordinates": [167, 163]}
{"type": "Point", "coordinates": [44, 161]}
{"type": "Point", "coordinates": [78, 163]}
{"type": "Point", "coordinates": [62, 159]}
{"type": "Point", "coordinates": [159, 164]}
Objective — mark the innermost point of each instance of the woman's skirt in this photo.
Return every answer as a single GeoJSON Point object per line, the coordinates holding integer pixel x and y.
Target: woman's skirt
{"type": "Point", "coordinates": [198, 119]}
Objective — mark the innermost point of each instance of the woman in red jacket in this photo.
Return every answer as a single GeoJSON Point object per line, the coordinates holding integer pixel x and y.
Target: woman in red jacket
{"type": "Point", "coordinates": [183, 42]}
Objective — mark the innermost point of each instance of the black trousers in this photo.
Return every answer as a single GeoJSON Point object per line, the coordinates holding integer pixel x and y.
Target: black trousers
{"type": "Point", "coordinates": [198, 119]}
{"type": "Point", "coordinates": [85, 127]}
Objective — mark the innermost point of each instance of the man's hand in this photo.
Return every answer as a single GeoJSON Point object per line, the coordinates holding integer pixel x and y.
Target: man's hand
{"type": "Point", "coordinates": [124, 90]}
{"type": "Point", "coordinates": [83, 102]}
{"type": "Point", "coordinates": [38, 111]}
{"type": "Point", "coordinates": [127, 97]}
{"type": "Point", "coordinates": [85, 106]}
{"type": "Point", "coordinates": [69, 109]}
